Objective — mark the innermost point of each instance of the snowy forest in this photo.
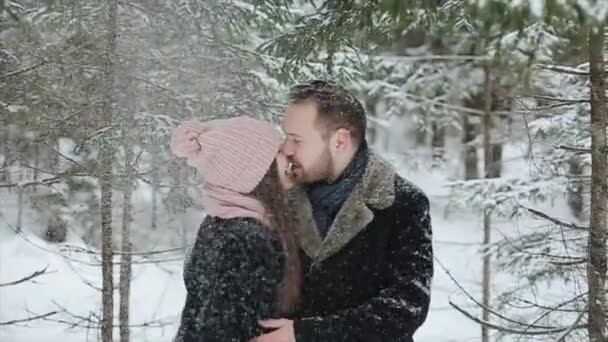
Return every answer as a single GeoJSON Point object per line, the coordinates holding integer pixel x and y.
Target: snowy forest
{"type": "Point", "coordinates": [497, 109]}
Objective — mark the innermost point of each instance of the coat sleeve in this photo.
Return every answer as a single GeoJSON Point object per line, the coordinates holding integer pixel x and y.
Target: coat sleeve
{"type": "Point", "coordinates": [235, 285]}
{"type": "Point", "coordinates": [400, 308]}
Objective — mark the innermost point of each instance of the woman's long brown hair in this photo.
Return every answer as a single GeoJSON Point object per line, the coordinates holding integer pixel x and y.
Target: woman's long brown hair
{"type": "Point", "coordinates": [274, 199]}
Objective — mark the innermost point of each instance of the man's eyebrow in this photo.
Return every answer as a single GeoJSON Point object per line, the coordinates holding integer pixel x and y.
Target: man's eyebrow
{"type": "Point", "coordinates": [294, 135]}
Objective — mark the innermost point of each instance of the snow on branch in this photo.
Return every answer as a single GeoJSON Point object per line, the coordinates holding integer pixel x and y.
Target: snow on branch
{"type": "Point", "coordinates": [504, 196]}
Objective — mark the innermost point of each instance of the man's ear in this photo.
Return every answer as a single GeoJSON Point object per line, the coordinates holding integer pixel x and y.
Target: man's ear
{"type": "Point", "coordinates": [343, 139]}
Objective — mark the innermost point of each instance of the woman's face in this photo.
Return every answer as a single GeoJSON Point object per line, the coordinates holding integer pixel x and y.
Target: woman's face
{"type": "Point", "coordinates": [282, 168]}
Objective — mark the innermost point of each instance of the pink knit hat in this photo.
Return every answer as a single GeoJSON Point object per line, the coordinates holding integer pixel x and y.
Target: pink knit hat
{"type": "Point", "coordinates": [233, 153]}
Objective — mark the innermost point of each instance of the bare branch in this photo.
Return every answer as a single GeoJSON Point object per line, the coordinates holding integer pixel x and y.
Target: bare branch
{"type": "Point", "coordinates": [44, 61]}
{"type": "Point", "coordinates": [559, 99]}
{"type": "Point", "coordinates": [555, 220]}
{"type": "Point", "coordinates": [78, 249]}
{"type": "Point", "coordinates": [62, 155]}
{"type": "Point", "coordinates": [25, 238]}
{"type": "Point", "coordinates": [29, 319]}
{"type": "Point", "coordinates": [554, 330]}
{"type": "Point", "coordinates": [490, 310]}
{"type": "Point", "coordinates": [23, 70]}
{"type": "Point", "coordinates": [563, 336]}
{"type": "Point", "coordinates": [456, 243]}
{"type": "Point", "coordinates": [436, 58]}
{"type": "Point", "coordinates": [563, 69]}
{"type": "Point", "coordinates": [45, 181]}
{"type": "Point", "coordinates": [570, 260]}
{"type": "Point", "coordinates": [579, 261]}
{"type": "Point", "coordinates": [146, 260]}
{"type": "Point", "coordinates": [93, 320]}
{"type": "Point", "coordinates": [550, 310]}
{"type": "Point", "coordinates": [578, 150]}
{"type": "Point", "coordinates": [557, 307]}
{"type": "Point", "coordinates": [23, 280]}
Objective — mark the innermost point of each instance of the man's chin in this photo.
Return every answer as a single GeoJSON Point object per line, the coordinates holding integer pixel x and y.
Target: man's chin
{"type": "Point", "coordinates": [299, 181]}
{"type": "Point", "coordinates": [299, 178]}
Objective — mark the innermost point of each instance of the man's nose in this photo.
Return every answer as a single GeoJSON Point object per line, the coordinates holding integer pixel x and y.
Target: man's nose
{"type": "Point", "coordinates": [287, 149]}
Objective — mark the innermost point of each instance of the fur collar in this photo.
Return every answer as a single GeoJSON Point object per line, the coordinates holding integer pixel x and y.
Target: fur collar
{"type": "Point", "coordinates": [375, 190]}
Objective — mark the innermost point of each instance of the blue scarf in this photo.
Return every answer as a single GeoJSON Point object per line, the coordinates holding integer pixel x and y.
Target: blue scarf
{"type": "Point", "coordinates": [327, 199]}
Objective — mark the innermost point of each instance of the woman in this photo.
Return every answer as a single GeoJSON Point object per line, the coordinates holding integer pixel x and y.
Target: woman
{"type": "Point", "coordinates": [244, 266]}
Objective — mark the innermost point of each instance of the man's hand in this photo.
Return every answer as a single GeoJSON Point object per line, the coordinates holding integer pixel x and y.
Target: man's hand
{"type": "Point", "coordinates": [284, 332]}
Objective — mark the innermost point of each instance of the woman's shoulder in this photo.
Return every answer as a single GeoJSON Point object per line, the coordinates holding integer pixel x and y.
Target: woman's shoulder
{"type": "Point", "coordinates": [236, 234]}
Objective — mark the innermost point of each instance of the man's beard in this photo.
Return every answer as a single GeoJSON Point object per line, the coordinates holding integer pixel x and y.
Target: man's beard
{"type": "Point", "coordinates": [319, 171]}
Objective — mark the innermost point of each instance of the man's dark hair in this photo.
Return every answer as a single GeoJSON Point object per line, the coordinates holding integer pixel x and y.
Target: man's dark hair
{"type": "Point", "coordinates": [337, 107]}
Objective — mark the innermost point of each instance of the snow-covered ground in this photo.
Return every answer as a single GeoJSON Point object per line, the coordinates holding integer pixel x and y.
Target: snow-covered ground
{"type": "Point", "coordinates": [158, 292]}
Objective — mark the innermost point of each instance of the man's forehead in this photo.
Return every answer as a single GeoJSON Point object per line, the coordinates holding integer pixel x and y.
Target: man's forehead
{"type": "Point", "coordinates": [305, 111]}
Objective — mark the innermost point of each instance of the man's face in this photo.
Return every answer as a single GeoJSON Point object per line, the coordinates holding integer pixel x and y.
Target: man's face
{"type": "Point", "coordinates": [305, 145]}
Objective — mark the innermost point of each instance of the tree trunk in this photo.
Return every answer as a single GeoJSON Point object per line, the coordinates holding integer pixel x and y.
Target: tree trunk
{"type": "Point", "coordinates": [125, 259]}
{"type": "Point", "coordinates": [496, 160]}
{"type": "Point", "coordinates": [575, 190]}
{"type": "Point", "coordinates": [19, 224]}
{"type": "Point", "coordinates": [372, 129]}
{"type": "Point", "coordinates": [56, 228]}
{"type": "Point", "coordinates": [596, 264]}
{"type": "Point", "coordinates": [420, 134]}
{"type": "Point", "coordinates": [438, 140]}
{"type": "Point", "coordinates": [470, 150]}
{"type": "Point", "coordinates": [488, 172]}
{"type": "Point", "coordinates": [105, 169]}
{"type": "Point", "coordinates": [106, 236]}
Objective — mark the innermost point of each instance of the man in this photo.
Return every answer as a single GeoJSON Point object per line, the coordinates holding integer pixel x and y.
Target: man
{"type": "Point", "coordinates": [364, 232]}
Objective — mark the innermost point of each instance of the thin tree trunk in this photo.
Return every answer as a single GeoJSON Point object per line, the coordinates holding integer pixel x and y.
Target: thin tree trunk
{"type": "Point", "coordinates": [19, 224]}
{"type": "Point", "coordinates": [36, 144]}
{"type": "Point", "coordinates": [106, 243]}
{"type": "Point", "coordinates": [438, 140]}
{"type": "Point", "coordinates": [155, 182]}
{"type": "Point", "coordinates": [5, 175]}
{"type": "Point", "coordinates": [4, 130]}
{"type": "Point", "coordinates": [55, 162]}
{"type": "Point", "coordinates": [125, 259]}
{"type": "Point", "coordinates": [154, 224]}
{"type": "Point", "coordinates": [488, 172]}
{"type": "Point", "coordinates": [470, 150]}
{"type": "Point", "coordinates": [596, 265]}
{"type": "Point", "coordinates": [176, 184]}
{"type": "Point", "coordinates": [105, 169]}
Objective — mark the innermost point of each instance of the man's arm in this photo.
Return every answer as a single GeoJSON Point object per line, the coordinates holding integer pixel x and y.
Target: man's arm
{"type": "Point", "coordinates": [400, 308]}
